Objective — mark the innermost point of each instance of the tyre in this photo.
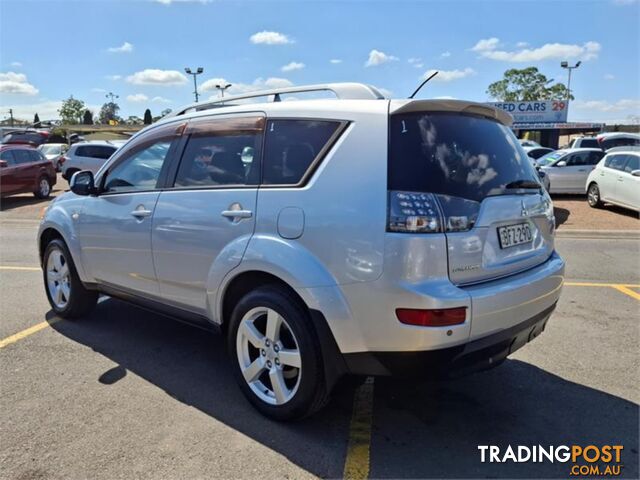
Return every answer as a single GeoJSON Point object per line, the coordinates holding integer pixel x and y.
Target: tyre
{"type": "Point", "coordinates": [69, 173]}
{"type": "Point", "coordinates": [593, 196]}
{"type": "Point", "coordinates": [43, 189]}
{"type": "Point", "coordinates": [66, 293]}
{"type": "Point", "coordinates": [276, 354]}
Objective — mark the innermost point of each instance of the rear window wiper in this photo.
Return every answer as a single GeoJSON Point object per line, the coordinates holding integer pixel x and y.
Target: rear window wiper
{"type": "Point", "coordinates": [523, 184]}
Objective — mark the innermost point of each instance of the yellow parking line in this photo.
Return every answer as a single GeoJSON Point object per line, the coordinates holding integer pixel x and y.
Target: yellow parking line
{"type": "Point", "coordinates": [24, 333]}
{"type": "Point", "coordinates": [11, 267]}
{"type": "Point", "coordinates": [628, 291]}
{"type": "Point", "coordinates": [589, 284]}
{"type": "Point", "coordinates": [356, 465]}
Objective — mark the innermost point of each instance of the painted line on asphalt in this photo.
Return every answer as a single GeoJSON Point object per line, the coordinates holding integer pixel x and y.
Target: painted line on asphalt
{"type": "Point", "coordinates": [24, 333]}
{"type": "Point", "coordinates": [356, 465]}
{"type": "Point", "coordinates": [627, 291]}
{"type": "Point", "coordinates": [13, 267]}
{"type": "Point", "coordinates": [591, 284]}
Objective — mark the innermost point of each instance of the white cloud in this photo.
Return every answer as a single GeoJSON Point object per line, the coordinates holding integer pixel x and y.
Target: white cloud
{"type": "Point", "coordinates": [607, 111]}
{"type": "Point", "coordinates": [126, 47]}
{"type": "Point", "coordinates": [415, 62]}
{"type": "Point", "coordinates": [289, 67]}
{"type": "Point", "coordinates": [445, 54]}
{"type": "Point", "coordinates": [385, 91]}
{"type": "Point", "coordinates": [238, 88]}
{"type": "Point", "coordinates": [376, 57]}
{"type": "Point", "coordinates": [16, 83]}
{"type": "Point", "coordinates": [609, 76]}
{"type": "Point", "coordinates": [606, 106]}
{"type": "Point", "coordinates": [335, 61]}
{"type": "Point", "coordinates": [522, 44]}
{"type": "Point", "coordinates": [488, 48]}
{"type": "Point", "coordinates": [16, 64]}
{"type": "Point", "coordinates": [114, 77]}
{"type": "Point", "coordinates": [153, 76]}
{"type": "Point", "coordinates": [449, 75]}
{"type": "Point", "coordinates": [161, 100]}
{"type": "Point", "coordinates": [270, 38]}
{"type": "Point", "coordinates": [46, 110]}
{"type": "Point", "coordinates": [137, 98]}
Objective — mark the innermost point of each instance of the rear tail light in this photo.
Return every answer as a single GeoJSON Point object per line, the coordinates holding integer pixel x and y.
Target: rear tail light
{"type": "Point", "coordinates": [416, 212]}
{"type": "Point", "coordinates": [443, 317]}
{"type": "Point", "coordinates": [62, 159]}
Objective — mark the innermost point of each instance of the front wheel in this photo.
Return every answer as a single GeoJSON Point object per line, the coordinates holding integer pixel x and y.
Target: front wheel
{"type": "Point", "coordinates": [276, 354]}
{"type": "Point", "coordinates": [593, 196]}
{"type": "Point", "coordinates": [67, 295]}
{"type": "Point", "coordinates": [43, 189]}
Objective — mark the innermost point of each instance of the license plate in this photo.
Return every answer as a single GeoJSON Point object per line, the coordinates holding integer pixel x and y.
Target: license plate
{"type": "Point", "coordinates": [513, 235]}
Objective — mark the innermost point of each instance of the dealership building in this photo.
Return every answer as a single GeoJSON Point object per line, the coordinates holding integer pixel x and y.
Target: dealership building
{"type": "Point", "coordinates": [545, 121]}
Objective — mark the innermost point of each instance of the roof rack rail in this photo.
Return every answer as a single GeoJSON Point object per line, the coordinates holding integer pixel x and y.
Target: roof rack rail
{"type": "Point", "coordinates": [343, 91]}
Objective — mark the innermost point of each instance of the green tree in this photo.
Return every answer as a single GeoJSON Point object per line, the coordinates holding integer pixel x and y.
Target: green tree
{"type": "Point", "coordinates": [148, 119]}
{"type": "Point", "coordinates": [71, 111]}
{"type": "Point", "coordinates": [527, 84]}
{"type": "Point", "coordinates": [87, 119]}
{"type": "Point", "coordinates": [109, 111]}
{"type": "Point", "coordinates": [36, 120]}
{"type": "Point", "coordinates": [133, 120]}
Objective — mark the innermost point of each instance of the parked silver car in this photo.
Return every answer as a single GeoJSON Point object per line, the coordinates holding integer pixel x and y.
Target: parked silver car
{"type": "Point", "coordinates": [568, 169]}
{"type": "Point", "coordinates": [86, 156]}
{"type": "Point", "coordinates": [323, 237]}
{"type": "Point", "coordinates": [55, 153]}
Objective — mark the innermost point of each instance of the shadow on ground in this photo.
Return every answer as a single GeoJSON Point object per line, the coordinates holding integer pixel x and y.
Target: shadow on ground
{"type": "Point", "coordinates": [607, 206]}
{"type": "Point", "coordinates": [419, 429]}
{"type": "Point", "coordinates": [17, 201]}
{"type": "Point", "coordinates": [561, 214]}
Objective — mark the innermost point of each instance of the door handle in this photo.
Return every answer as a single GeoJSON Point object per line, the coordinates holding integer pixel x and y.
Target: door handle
{"type": "Point", "coordinates": [237, 213]}
{"type": "Point", "coordinates": [141, 213]}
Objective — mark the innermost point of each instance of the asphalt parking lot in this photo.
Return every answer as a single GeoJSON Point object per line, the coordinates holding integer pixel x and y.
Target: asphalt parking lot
{"type": "Point", "coordinates": [129, 394]}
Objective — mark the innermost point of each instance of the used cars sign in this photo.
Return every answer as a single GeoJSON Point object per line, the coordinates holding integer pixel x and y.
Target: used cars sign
{"type": "Point", "coordinates": [545, 111]}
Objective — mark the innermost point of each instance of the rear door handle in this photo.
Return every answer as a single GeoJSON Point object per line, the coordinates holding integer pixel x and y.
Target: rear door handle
{"type": "Point", "coordinates": [237, 213]}
{"type": "Point", "coordinates": [141, 213]}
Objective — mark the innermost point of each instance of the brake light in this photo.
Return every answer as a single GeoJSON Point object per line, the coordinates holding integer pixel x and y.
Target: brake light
{"type": "Point", "coordinates": [442, 317]}
{"type": "Point", "coordinates": [413, 212]}
{"type": "Point", "coordinates": [61, 160]}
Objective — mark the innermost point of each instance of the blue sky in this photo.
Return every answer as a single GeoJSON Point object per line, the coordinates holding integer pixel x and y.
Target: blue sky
{"type": "Point", "coordinates": [138, 49]}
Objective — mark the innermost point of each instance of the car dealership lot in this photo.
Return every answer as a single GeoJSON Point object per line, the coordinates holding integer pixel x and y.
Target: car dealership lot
{"type": "Point", "coordinates": [126, 393]}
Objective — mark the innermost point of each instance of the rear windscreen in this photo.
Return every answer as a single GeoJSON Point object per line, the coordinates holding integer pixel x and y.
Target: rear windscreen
{"type": "Point", "coordinates": [589, 143]}
{"type": "Point", "coordinates": [453, 154]}
{"type": "Point", "coordinates": [608, 143]}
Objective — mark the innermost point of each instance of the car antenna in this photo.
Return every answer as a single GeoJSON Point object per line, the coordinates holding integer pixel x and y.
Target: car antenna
{"type": "Point", "coordinates": [423, 83]}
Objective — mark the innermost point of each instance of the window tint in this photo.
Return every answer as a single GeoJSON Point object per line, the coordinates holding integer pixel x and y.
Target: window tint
{"type": "Point", "coordinates": [291, 147]}
{"type": "Point", "coordinates": [24, 137]}
{"type": "Point", "coordinates": [539, 152]}
{"type": "Point", "coordinates": [589, 143]}
{"type": "Point", "coordinates": [36, 156]}
{"type": "Point", "coordinates": [139, 170]}
{"type": "Point", "coordinates": [619, 142]}
{"type": "Point", "coordinates": [616, 162]}
{"type": "Point", "coordinates": [453, 154]}
{"type": "Point", "coordinates": [221, 152]}
{"type": "Point", "coordinates": [594, 158]}
{"type": "Point", "coordinates": [8, 157]}
{"type": "Point", "coordinates": [95, 151]}
{"type": "Point", "coordinates": [633, 163]}
{"type": "Point", "coordinates": [22, 156]}
{"type": "Point", "coordinates": [578, 159]}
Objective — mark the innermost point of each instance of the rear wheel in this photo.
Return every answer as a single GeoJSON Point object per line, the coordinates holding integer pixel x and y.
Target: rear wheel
{"type": "Point", "coordinates": [69, 173]}
{"type": "Point", "coordinates": [276, 354]}
{"type": "Point", "coordinates": [593, 196]}
{"type": "Point", "coordinates": [66, 293]}
{"type": "Point", "coordinates": [44, 188]}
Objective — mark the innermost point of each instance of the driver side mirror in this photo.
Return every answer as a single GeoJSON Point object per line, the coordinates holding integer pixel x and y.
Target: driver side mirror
{"type": "Point", "coordinates": [561, 163]}
{"type": "Point", "coordinates": [635, 173]}
{"type": "Point", "coordinates": [82, 183]}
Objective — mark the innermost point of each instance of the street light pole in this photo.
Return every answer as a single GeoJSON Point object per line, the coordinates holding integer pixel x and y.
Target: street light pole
{"type": "Point", "coordinates": [111, 96]}
{"type": "Point", "coordinates": [198, 71]}
{"type": "Point", "coordinates": [222, 88]}
{"type": "Point", "coordinates": [566, 65]}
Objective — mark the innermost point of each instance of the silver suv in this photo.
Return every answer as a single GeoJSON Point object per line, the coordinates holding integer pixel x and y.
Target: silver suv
{"type": "Point", "coordinates": [355, 235]}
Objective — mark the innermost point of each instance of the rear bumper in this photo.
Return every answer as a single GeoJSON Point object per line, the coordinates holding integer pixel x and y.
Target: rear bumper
{"type": "Point", "coordinates": [481, 354]}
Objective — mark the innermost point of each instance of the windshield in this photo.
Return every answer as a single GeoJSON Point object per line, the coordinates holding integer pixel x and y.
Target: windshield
{"type": "Point", "coordinates": [50, 149]}
{"type": "Point", "coordinates": [457, 155]}
{"type": "Point", "coordinates": [549, 158]}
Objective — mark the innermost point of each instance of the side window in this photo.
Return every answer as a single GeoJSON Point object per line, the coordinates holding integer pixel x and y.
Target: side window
{"type": "Point", "coordinates": [291, 147]}
{"type": "Point", "coordinates": [222, 152]}
{"type": "Point", "coordinates": [617, 162]}
{"type": "Point", "coordinates": [103, 152]}
{"type": "Point", "coordinates": [594, 158]}
{"type": "Point", "coordinates": [633, 163]}
{"type": "Point", "coordinates": [140, 168]}
{"type": "Point", "coordinates": [22, 156]}
{"type": "Point", "coordinates": [8, 157]}
{"type": "Point", "coordinates": [82, 151]}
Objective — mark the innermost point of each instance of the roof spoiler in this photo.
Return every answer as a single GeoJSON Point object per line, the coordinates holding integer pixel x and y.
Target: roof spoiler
{"type": "Point", "coordinates": [459, 106]}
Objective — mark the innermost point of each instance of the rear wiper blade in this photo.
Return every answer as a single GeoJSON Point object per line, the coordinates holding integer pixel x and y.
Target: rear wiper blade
{"type": "Point", "coordinates": [523, 184]}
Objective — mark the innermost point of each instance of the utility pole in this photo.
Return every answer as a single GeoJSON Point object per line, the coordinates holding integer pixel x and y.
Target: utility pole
{"type": "Point", "coordinates": [222, 88]}
{"type": "Point", "coordinates": [11, 117]}
{"type": "Point", "coordinates": [198, 71]}
{"type": "Point", "coordinates": [566, 65]}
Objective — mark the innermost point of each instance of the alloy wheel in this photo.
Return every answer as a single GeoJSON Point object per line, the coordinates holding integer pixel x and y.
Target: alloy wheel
{"type": "Point", "coordinates": [593, 195]}
{"type": "Point", "coordinates": [44, 188]}
{"type": "Point", "coordinates": [269, 355]}
{"type": "Point", "coordinates": [58, 278]}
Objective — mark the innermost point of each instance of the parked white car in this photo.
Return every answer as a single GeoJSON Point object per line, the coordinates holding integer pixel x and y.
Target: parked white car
{"type": "Point", "coordinates": [54, 152]}
{"type": "Point", "coordinates": [567, 170]}
{"type": "Point", "coordinates": [86, 156]}
{"type": "Point", "coordinates": [584, 142]}
{"type": "Point", "coordinates": [616, 179]}
{"type": "Point", "coordinates": [609, 140]}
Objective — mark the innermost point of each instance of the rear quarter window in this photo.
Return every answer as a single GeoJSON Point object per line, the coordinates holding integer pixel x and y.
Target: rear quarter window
{"type": "Point", "coordinates": [95, 151]}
